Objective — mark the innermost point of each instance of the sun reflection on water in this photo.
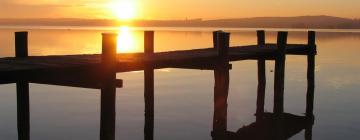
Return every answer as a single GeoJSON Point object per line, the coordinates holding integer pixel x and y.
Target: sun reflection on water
{"type": "Point", "coordinates": [126, 40]}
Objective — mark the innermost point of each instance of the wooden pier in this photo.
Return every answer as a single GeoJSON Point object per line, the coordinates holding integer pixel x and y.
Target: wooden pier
{"type": "Point", "coordinates": [98, 71]}
{"type": "Point", "coordinates": [25, 65]}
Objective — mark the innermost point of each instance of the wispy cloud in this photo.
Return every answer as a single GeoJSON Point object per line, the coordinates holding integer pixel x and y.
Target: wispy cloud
{"type": "Point", "coordinates": [54, 3]}
{"type": "Point", "coordinates": [53, 8]}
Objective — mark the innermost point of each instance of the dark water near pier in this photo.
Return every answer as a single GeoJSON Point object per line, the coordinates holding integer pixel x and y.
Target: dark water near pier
{"type": "Point", "coordinates": [184, 98]}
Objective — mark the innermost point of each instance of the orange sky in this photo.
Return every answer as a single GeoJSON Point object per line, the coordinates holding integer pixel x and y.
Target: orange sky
{"type": "Point", "coordinates": [168, 9]}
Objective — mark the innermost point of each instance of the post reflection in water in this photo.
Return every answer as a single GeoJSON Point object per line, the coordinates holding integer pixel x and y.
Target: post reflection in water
{"type": "Point", "coordinates": [269, 126]}
{"type": "Point", "coordinates": [149, 103]}
{"type": "Point", "coordinates": [108, 114]}
{"type": "Point", "coordinates": [221, 90]}
{"type": "Point", "coordinates": [23, 110]}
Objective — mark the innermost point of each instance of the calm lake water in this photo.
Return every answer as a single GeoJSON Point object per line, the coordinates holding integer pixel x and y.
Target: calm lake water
{"type": "Point", "coordinates": [184, 98]}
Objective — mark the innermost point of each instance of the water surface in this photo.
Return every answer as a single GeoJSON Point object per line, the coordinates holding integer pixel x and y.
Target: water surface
{"type": "Point", "coordinates": [184, 98]}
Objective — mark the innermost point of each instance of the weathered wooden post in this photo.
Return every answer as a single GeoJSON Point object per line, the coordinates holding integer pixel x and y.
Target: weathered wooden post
{"type": "Point", "coordinates": [310, 74]}
{"type": "Point", "coordinates": [22, 89]}
{"type": "Point", "coordinates": [221, 89]}
{"type": "Point", "coordinates": [21, 44]}
{"type": "Point", "coordinates": [280, 73]}
{"type": "Point", "coordinates": [149, 42]}
{"type": "Point", "coordinates": [149, 87]}
{"type": "Point", "coordinates": [108, 89]}
{"type": "Point", "coordinates": [215, 38]}
{"type": "Point", "coordinates": [310, 82]}
{"type": "Point", "coordinates": [109, 54]}
{"type": "Point", "coordinates": [261, 78]}
{"type": "Point", "coordinates": [223, 45]}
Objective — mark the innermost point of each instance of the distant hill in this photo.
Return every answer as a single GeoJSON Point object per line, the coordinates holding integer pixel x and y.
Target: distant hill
{"type": "Point", "coordinates": [324, 22]}
{"type": "Point", "coordinates": [290, 22]}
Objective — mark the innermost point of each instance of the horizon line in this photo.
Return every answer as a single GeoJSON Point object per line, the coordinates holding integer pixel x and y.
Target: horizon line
{"type": "Point", "coordinates": [134, 19]}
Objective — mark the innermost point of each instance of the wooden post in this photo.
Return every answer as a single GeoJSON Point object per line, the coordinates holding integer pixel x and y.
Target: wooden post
{"type": "Point", "coordinates": [109, 48]}
{"type": "Point", "coordinates": [21, 44]}
{"type": "Point", "coordinates": [108, 89]}
{"type": "Point", "coordinates": [280, 73]}
{"type": "Point", "coordinates": [223, 45]}
{"type": "Point", "coordinates": [221, 89]}
{"type": "Point", "coordinates": [215, 38]}
{"type": "Point", "coordinates": [149, 42]}
{"type": "Point", "coordinates": [310, 74]}
{"type": "Point", "coordinates": [261, 78]}
{"type": "Point", "coordinates": [149, 88]}
{"type": "Point", "coordinates": [22, 89]}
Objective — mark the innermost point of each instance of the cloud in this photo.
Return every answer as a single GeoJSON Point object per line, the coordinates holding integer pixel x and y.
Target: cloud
{"type": "Point", "coordinates": [52, 3]}
{"type": "Point", "coordinates": [46, 11]}
{"type": "Point", "coordinates": [53, 8]}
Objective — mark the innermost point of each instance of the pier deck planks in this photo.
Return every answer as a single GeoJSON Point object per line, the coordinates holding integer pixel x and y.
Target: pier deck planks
{"type": "Point", "coordinates": [190, 59]}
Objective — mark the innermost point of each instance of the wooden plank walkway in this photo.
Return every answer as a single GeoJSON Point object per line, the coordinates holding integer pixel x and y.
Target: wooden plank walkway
{"type": "Point", "coordinates": [197, 59]}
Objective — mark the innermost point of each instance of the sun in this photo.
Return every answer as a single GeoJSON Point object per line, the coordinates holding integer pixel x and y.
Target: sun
{"type": "Point", "coordinates": [123, 9]}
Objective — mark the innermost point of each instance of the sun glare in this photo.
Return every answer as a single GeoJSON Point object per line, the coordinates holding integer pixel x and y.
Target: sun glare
{"type": "Point", "coordinates": [123, 9]}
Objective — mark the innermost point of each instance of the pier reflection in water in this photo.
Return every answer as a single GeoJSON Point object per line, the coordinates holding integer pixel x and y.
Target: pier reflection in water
{"type": "Point", "coordinates": [268, 126]}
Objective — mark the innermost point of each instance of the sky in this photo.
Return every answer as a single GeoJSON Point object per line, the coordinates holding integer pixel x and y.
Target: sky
{"type": "Point", "coordinates": [181, 9]}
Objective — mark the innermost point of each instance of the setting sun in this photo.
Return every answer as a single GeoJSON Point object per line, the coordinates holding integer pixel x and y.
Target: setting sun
{"type": "Point", "coordinates": [123, 9]}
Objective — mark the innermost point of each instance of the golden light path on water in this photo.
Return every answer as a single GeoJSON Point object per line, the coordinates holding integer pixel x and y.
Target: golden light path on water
{"type": "Point", "coordinates": [127, 41]}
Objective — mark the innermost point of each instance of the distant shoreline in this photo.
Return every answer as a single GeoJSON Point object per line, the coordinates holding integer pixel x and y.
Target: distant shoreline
{"type": "Point", "coordinates": [299, 22]}
{"type": "Point", "coordinates": [113, 28]}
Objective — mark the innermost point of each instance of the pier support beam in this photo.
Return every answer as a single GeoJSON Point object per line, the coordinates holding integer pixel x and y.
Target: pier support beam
{"type": "Point", "coordinates": [221, 89]}
{"type": "Point", "coordinates": [261, 79]}
{"type": "Point", "coordinates": [280, 73]}
{"type": "Point", "coordinates": [109, 51]}
{"type": "Point", "coordinates": [21, 44]}
{"type": "Point", "coordinates": [22, 89]}
{"type": "Point", "coordinates": [149, 42]}
{"type": "Point", "coordinates": [149, 87]}
{"type": "Point", "coordinates": [223, 45]}
{"type": "Point", "coordinates": [310, 74]}
{"type": "Point", "coordinates": [108, 89]}
{"type": "Point", "coordinates": [215, 38]}
{"type": "Point", "coordinates": [310, 82]}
